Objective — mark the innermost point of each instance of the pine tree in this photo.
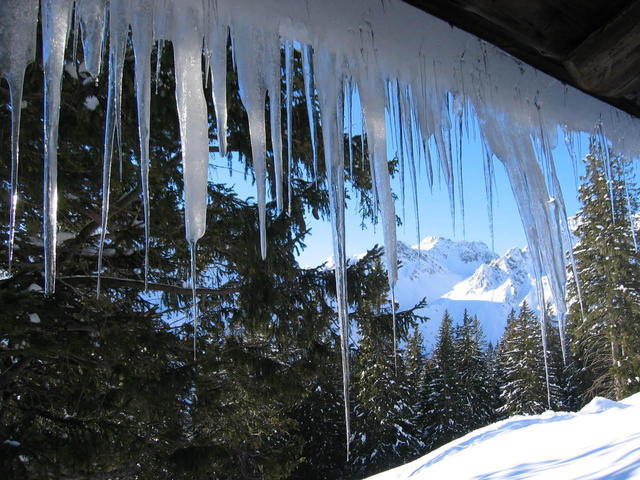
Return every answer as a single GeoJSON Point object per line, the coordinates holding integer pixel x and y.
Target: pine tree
{"type": "Point", "coordinates": [493, 382]}
{"type": "Point", "coordinates": [320, 419]}
{"type": "Point", "coordinates": [384, 433]}
{"type": "Point", "coordinates": [474, 375]}
{"type": "Point", "coordinates": [606, 342]}
{"type": "Point", "coordinates": [522, 364]}
{"type": "Point", "coordinates": [444, 416]}
{"type": "Point", "coordinates": [414, 371]}
{"type": "Point", "coordinates": [564, 393]}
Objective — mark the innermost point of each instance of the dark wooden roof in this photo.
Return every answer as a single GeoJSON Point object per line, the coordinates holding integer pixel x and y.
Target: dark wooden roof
{"type": "Point", "coordinates": [593, 45]}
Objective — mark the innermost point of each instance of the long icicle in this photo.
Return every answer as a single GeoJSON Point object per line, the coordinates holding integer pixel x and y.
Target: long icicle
{"type": "Point", "coordinates": [349, 107]}
{"type": "Point", "coordinates": [19, 47]}
{"type": "Point", "coordinates": [15, 90]}
{"type": "Point", "coordinates": [272, 71]}
{"type": "Point", "coordinates": [142, 45]}
{"type": "Point", "coordinates": [117, 39]}
{"type": "Point", "coordinates": [218, 36]}
{"type": "Point", "coordinates": [160, 43]}
{"type": "Point", "coordinates": [308, 92]}
{"type": "Point", "coordinates": [56, 19]}
{"type": "Point", "coordinates": [194, 302]}
{"type": "Point", "coordinates": [288, 62]}
{"type": "Point", "coordinates": [395, 337]}
{"type": "Point", "coordinates": [329, 95]}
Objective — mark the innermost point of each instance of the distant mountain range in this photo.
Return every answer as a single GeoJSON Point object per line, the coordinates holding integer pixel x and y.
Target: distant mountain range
{"type": "Point", "coordinates": [457, 275]}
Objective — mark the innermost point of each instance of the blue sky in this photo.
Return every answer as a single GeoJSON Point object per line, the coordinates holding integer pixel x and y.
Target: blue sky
{"type": "Point", "coordinates": [435, 217]}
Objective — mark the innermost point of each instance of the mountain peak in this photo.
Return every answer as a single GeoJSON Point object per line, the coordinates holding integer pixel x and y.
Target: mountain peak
{"type": "Point", "coordinates": [458, 275]}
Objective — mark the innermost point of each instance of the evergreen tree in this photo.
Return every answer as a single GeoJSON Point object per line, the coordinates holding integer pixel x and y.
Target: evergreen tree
{"type": "Point", "coordinates": [606, 342]}
{"type": "Point", "coordinates": [522, 364]}
{"type": "Point", "coordinates": [444, 414]}
{"type": "Point", "coordinates": [414, 372]}
{"type": "Point", "coordinates": [384, 431]}
{"type": "Point", "coordinates": [473, 370]}
{"type": "Point", "coordinates": [320, 419]}
{"type": "Point", "coordinates": [493, 382]}
{"type": "Point", "coordinates": [565, 394]}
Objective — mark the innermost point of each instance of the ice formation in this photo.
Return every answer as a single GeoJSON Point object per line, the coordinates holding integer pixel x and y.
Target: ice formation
{"type": "Point", "coordinates": [415, 76]}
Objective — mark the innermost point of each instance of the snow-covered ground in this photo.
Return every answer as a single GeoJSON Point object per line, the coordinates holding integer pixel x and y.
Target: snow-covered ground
{"type": "Point", "coordinates": [602, 441]}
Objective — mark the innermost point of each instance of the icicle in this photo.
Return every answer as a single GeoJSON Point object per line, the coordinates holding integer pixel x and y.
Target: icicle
{"type": "Point", "coordinates": [409, 122]}
{"type": "Point", "coordinates": [15, 90]}
{"type": "Point", "coordinates": [372, 100]}
{"type": "Point", "coordinates": [607, 167]}
{"type": "Point", "coordinates": [288, 62]}
{"type": "Point", "coordinates": [257, 54]}
{"type": "Point", "coordinates": [275, 116]}
{"type": "Point", "coordinates": [192, 113]}
{"type": "Point", "coordinates": [395, 338]}
{"type": "Point", "coordinates": [488, 188]}
{"type": "Point", "coordinates": [459, 120]}
{"type": "Point", "coordinates": [56, 19]}
{"type": "Point", "coordinates": [349, 107]}
{"type": "Point", "coordinates": [118, 30]}
{"type": "Point", "coordinates": [92, 25]}
{"type": "Point", "coordinates": [329, 91]}
{"type": "Point", "coordinates": [19, 46]}
{"type": "Point", "coordinates": [194, 301]}
{"type": "Point", "coordinates": [443, 144]}
{"type": "Point", "coordinates": [158, 63]}
{"type": "Point", "coordinates": [76, 34]}
{"type": "Point", "coordinates": [308, 92]}
{"type": "Point", "coordinates": [400, 114]}
{"type": "Point", "coordinates": [428, 164]}
{"type": "Point", "coordinates": [142, 45]}
{"type": "Point", "coordinates": [217, 39]}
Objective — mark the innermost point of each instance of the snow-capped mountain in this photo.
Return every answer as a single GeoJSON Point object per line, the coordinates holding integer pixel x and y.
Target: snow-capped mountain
{"type": "Point", "coordinates": [457, 275]}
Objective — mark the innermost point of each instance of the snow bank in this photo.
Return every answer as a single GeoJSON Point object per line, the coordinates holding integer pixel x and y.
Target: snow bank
{"type": "Point", "coordinates": [600, 441]}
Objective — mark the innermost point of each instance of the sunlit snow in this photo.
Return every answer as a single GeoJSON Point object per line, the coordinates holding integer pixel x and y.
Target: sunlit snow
{"type": "Point", "coordinates": [600, 441]}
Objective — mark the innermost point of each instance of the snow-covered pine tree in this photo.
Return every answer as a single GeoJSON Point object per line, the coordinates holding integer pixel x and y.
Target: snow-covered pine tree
{"type": "Point", "coordinates": [320, 419]}
{"type": "Point", "coordinates": [444, 413]}
{"type": "Point", "coordinates": [564, 390]}
{"type": "Point", "coordinates": [474, 375]}
{"type": "Point", "coordinates": [494, 370]}
{"type": "Point", "coordinates": [414, 369]}
{"type": "Point", "coordinates": [383, 431]}
{"type": "Point", "coordinates": [606, 342]}
{"type": "Point", "coordinates": [384, 435]}
{"type": "Point", "coordinates": [523, 388]}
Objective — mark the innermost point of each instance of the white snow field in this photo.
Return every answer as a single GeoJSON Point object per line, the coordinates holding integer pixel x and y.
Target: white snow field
{"type": "Point", "coordinates": [601, 441]}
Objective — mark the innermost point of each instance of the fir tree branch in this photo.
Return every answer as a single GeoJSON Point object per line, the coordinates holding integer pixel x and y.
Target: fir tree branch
{"type": "Point", "coordinates": [139, 284]}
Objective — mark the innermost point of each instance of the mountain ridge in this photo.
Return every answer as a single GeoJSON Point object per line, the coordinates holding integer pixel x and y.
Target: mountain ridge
{"type": "Point", "coordinates": [458, 275]}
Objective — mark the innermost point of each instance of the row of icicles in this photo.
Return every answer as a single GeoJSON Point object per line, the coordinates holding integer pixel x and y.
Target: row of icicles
{"type": "Point", "coordinates": [420, 117]}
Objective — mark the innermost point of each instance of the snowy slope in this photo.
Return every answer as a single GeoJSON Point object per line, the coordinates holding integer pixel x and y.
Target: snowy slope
{"type": "Point", "coordinates": [602, 441]}
{"type": "Point", "coordinates": [458, 275]}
